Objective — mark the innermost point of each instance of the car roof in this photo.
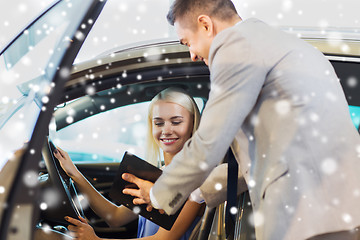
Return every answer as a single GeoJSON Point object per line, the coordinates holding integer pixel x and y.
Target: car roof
{"type": "Point", "coordinates": [331, 41]}
{"type": "Point", "coordinates": [135, 73]}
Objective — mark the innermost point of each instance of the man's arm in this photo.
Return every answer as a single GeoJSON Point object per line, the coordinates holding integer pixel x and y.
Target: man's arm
{"type": "Point", "coordinates": [214, 189]}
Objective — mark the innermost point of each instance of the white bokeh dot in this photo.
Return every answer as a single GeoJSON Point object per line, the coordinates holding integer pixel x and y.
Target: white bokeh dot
{"type": "Point", "coordinates": [352, 82]}
{"type": "Point", "coordinates": [137, 117]}
{"type": "Point", "coordinates": [256, 219]}
{"type": "Point", "coordinates": [218, 186]}
{"type": "Point", "coordinates": [69, 119]}
{"type": "Point", "coordinates": [203, 166]}
{"type": "Point", "coordinates": [282, 107]}
{"type": "Point", "coordinates": [346, 217]}
{"type": "Point", "coordinates": [71, 112]}
{"type": "Point", "coordinates": [30, 178]}
{"type": "Point", "coordinates": [136, 210]}
{"type": "Point", "coordinates": [90, 90]}
{"type": "Point", "coordinates": [45, 99]}
{"type": "Point", "coordinates": [95, 135]}
{"type": "Point", "coordinates": [329, 166]}
{"type": "Point", "coordinates": [43, 206]}
{"type": "Point", "coordinates": [64, 72]}
{"type": "Point", "coordinates": [233, 210]}
{"type": "Point", "coordinates": [51, 197]}
{"type": "Point", "coordinates": [252, 183]}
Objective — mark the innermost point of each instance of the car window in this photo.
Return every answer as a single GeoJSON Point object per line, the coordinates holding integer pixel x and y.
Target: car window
{"type": "Point", "coordinates": [27, 66]}
{"type": "Point", "coordinates": [355, 115]}
{"type": "Point", "coordinates": [105, 137]}
{"type": "Point", "coordinates": [109, 31]}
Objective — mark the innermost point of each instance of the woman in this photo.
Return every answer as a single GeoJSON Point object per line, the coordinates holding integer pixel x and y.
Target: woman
{"type": "Point", "coordinates": [172, 119]}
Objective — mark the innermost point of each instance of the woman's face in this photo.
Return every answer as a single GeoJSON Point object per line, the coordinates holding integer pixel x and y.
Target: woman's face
{"type": "Point", "coordinates": [172, 125]}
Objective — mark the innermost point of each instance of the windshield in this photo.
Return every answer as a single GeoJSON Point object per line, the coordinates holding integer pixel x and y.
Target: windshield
{"type": "Point", "coordinates": [26, 70]}
{"type": "Point", "coordinates": [127, 22]}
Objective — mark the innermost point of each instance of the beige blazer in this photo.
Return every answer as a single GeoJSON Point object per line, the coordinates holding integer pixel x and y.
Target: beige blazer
{"type": "Point", "coordinates": [277, 101]}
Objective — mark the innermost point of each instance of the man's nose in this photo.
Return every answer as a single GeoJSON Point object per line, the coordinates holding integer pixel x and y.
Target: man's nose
{"type": "Point", "coordinates": [194, 57]}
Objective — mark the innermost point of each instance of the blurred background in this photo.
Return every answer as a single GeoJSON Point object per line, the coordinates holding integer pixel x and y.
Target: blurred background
{"type": "Point", "coordinates": [129, 21]}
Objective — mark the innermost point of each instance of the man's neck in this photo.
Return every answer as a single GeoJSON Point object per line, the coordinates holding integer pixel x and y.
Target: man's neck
{"type": "Point", "coordinates": [221, 25]}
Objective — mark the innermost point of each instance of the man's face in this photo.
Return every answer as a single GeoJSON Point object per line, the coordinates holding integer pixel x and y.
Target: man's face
{"type": "Point", "coordinates": [198, 40]}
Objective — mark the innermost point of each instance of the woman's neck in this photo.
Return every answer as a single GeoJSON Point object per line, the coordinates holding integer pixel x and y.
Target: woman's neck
{"type": "Point", "coordinates": [167, 158]}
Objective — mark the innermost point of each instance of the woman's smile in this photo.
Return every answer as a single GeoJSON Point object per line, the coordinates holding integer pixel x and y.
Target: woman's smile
{"type": "Point", "coordinates": [168, 141]}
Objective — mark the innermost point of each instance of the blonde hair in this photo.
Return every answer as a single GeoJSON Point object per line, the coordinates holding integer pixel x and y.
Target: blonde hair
{"type": "Point", "coordinates": [172, 95]}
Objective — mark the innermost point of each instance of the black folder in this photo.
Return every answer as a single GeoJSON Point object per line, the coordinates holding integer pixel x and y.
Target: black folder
{"type": "Point", "coordinates": [142, 169]}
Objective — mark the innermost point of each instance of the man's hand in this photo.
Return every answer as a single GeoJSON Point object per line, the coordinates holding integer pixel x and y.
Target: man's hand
{"type": "Point", "coordinates": [142, 195]}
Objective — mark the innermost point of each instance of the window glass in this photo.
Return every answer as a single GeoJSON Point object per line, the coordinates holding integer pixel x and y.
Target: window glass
{"type": "Point", "coordinates": [355, 115]}
{"type": "Point", "coordinates": [106, 136]}
{"type": "Point", "coordinates": [123, 23]}
{"type": "Point", "coordinates": [27, 66]}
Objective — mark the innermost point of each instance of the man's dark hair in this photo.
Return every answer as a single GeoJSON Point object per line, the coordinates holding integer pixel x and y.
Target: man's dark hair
{"type": "Point", "coordinates": [221, 9]}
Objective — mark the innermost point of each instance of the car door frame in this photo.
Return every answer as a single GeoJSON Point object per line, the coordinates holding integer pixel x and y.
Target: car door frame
{"type": "Point", "coordinates": [21, 199]}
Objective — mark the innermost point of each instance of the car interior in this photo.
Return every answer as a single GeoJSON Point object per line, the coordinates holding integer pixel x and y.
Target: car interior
{"type": "Point", "coordinates": [110, 95]}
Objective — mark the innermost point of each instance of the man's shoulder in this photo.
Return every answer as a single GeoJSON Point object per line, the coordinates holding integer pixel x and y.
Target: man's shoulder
{"type": "Point", "coordinates": [243, 28]}
{"type": "Point", "coordinates": [249, 30]}
{"type": "Point", "coordinates": [251, 22]}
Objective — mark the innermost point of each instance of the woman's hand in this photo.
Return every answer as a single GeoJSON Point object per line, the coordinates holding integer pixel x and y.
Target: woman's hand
{"type": "Point", "coordinates": [66, 162]}
{"type": "Point", "coordinates": [81, 229]}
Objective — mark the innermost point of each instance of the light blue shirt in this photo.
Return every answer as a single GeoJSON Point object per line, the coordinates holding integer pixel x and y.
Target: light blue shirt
{"type": "Point", "coordinates": [147, 228]}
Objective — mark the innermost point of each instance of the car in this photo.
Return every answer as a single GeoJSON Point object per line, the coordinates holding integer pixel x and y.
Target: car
{"type": "Point", "coordinates": [96, 110]}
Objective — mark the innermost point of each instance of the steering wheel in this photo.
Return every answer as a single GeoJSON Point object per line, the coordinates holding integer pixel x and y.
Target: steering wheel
{"type": "Point", "coordinates": [59, 197]}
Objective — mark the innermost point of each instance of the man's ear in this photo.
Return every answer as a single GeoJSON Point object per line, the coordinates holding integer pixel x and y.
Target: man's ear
{"type": "Point", "coordinates": [205, 24]}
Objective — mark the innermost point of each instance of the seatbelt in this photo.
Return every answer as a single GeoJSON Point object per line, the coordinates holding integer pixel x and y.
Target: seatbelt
{"type": "Point", "coordinates": [232, 181]}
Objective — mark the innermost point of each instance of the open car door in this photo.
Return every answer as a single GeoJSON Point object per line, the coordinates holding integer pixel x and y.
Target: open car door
{"type": "Point", "coordinates": [33, 70]}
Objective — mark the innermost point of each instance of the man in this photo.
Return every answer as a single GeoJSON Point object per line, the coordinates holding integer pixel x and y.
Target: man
{"type": "Point", "coordinates": [277, 101]}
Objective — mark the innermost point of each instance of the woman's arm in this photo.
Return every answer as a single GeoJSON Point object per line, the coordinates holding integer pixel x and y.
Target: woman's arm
{"type": "Point", "coordinates": [83, 231]}
{"type": "Point", "coordinates": [112, 214]}
{"type": "Point", "coordinates": [186, 217]}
